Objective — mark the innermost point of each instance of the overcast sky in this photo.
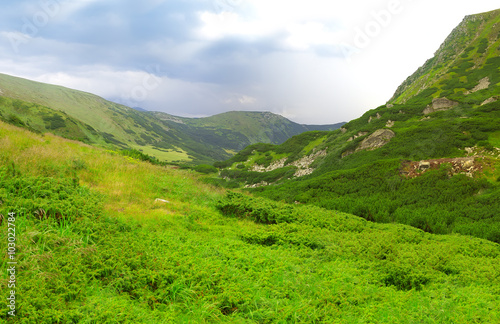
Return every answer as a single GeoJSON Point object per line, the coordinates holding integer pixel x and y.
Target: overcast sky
{"type": "Point", "coordinates": [314, 61]}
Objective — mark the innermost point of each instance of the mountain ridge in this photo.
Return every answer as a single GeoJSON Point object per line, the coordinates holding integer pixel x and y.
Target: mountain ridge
{"type": "Point", "coordinates": [194, 140]}
{"type": "Point", "coordinates": [479, 32]}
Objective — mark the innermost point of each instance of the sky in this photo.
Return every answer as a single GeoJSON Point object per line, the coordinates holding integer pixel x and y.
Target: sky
{"type": "Point", "coordinates": [314, 61]}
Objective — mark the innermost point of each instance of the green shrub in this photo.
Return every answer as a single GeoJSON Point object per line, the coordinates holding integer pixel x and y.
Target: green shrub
{"type": "Point", "coordinates": [205, 168]}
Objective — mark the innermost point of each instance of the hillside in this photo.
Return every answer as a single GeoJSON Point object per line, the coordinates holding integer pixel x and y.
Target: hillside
{"type": "Point", "coordinates": [429, 158]}
{"type": "Point", "coordinates": [238, 129]}
{"type": "Point", "coordinates": [168, 138]}
{"type": "Point", "coordinates": [464, 64]}
{"type": "Point", "coordinates": [102, 238]}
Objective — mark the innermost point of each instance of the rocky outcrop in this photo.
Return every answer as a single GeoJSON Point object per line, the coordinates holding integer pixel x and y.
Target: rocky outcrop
{"type": "Point", "coordinates": [359, 134]}
{"type": "Point", "coordinates": [484, 83]}
{"type": "Point", "coordinates": [389, 124]}
{"type": "Point", "coordinates": [376, 140]}
{"type": "Point", "coordinates": [273, 166]}
{"type": "Point", "coordinates": [304, 164]}
{"type": "Point", "coordinates": [439, 104]}
{"type": "Point", "coordinates": [490, 100]}
{"type": "Point", "coordinates": [257, 185]}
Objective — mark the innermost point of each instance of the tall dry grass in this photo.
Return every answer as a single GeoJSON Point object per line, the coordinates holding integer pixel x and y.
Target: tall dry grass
{"type": "Point", "coordinates": [131, 187]}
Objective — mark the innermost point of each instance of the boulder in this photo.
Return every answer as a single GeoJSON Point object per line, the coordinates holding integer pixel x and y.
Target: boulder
{"type": "Point", "coordinates": [423, 165]}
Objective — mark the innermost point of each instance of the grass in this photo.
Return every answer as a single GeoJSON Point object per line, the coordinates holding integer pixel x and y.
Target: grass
{"type": "Point", "coordinates": [168, 155]}
{"type": "Point", "coordinates": [206, 256]}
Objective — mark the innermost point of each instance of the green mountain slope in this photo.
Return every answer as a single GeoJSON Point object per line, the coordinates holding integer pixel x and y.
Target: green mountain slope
{"type": "Point", "coordinates": [237, 129]}
{"type": "Point", "coordinates": [169, 138]}
{"type": "Point", "coordinates": [469, 54]}
{"type": "Point", "coordinates": [102, 238]}
{"type": "Point", "coordinates": [429, 158]}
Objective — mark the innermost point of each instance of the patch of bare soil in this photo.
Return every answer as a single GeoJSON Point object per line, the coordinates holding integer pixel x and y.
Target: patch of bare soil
{"type": "Point", "coordinates": [463, 165]}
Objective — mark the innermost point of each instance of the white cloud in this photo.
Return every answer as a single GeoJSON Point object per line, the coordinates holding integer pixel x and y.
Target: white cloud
{"type": "Point", "coordinates": [247, 100]}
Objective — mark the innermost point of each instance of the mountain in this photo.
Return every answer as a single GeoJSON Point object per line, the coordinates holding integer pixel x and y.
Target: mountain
{"type": "Point", "coordinates": [464, 64]}
{"type": "Point", "coordinates": [94, 120]}
{"type": "Point", "coordinates": [238, 129]}
{"type": "Point", "coordinates": [428, 158]}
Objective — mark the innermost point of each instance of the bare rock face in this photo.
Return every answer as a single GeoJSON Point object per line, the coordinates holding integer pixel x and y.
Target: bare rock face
{"type": "Point", "coordinates": [376, 140]}
{"type": "Point", "coordinates": [440, 104]}
{"type": "Point", "coordinates": [275, 165]}
{"type": "Point", "coordinates": [484, 83]}
{"type": "Point", "coordinates": [389, 123]}
{"type": "Point", "coordinates": [490, 100]}
{"type": "Point", "coordinates": [304, 164]}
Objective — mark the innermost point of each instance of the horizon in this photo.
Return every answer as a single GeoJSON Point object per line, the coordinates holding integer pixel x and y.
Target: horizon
{"type": "Point", "coordinates": [319, 64]}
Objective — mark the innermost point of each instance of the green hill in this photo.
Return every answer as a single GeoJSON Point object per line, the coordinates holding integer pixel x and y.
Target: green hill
{"type": "Point", "coordinates": [166, 137]}
{"type": "Point", "coordinates": [429, 158]}
{"type": "Point", "coordinates": [103, 238]}
{"type": "Point", "coordinates": [467, 59]}
{"type": "Point", "coordinates": [235, 130]}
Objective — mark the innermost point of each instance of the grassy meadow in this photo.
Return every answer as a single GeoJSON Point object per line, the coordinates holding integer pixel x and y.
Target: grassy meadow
{"type": "Point", "coordinates": [94, 245]}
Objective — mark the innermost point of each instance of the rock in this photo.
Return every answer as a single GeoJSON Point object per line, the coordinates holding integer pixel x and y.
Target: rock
{"type": "Point", "coordinates": [359, 134]}
{"type": "Point", "coordinates": [424, 165]}
{"type": "Point", "coordinates": [257, 185]}
{"type": "Point", "coordinates": [303, 164]}
{"type": "Point", "coordinates": [484, 83]}
{"type": "Point", "coordinates": [390, 106]}
{"type": "Point", "coordinates": [370, 119]}
{"type": "Point", "coordinates": [378, 116]}
{"type": "Point", "coordinates": [376, 140]}
{"type": "Point", "coordinates": [389, 123]}
{"type": "Point", "coordinates": [275, 165]}
{"type": "Point", "coordinates": [162, 201]}
{"type": "Point", "coordinates": [490, 100]}
{"type": "Point", "coordinates": [343, 130]}
{"type": "Point", "coordinates": [439, 104]}
{"type": "Point", "coordinates": [470, 150]}
{"type": "Point", "coordinates": [468, 164]}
